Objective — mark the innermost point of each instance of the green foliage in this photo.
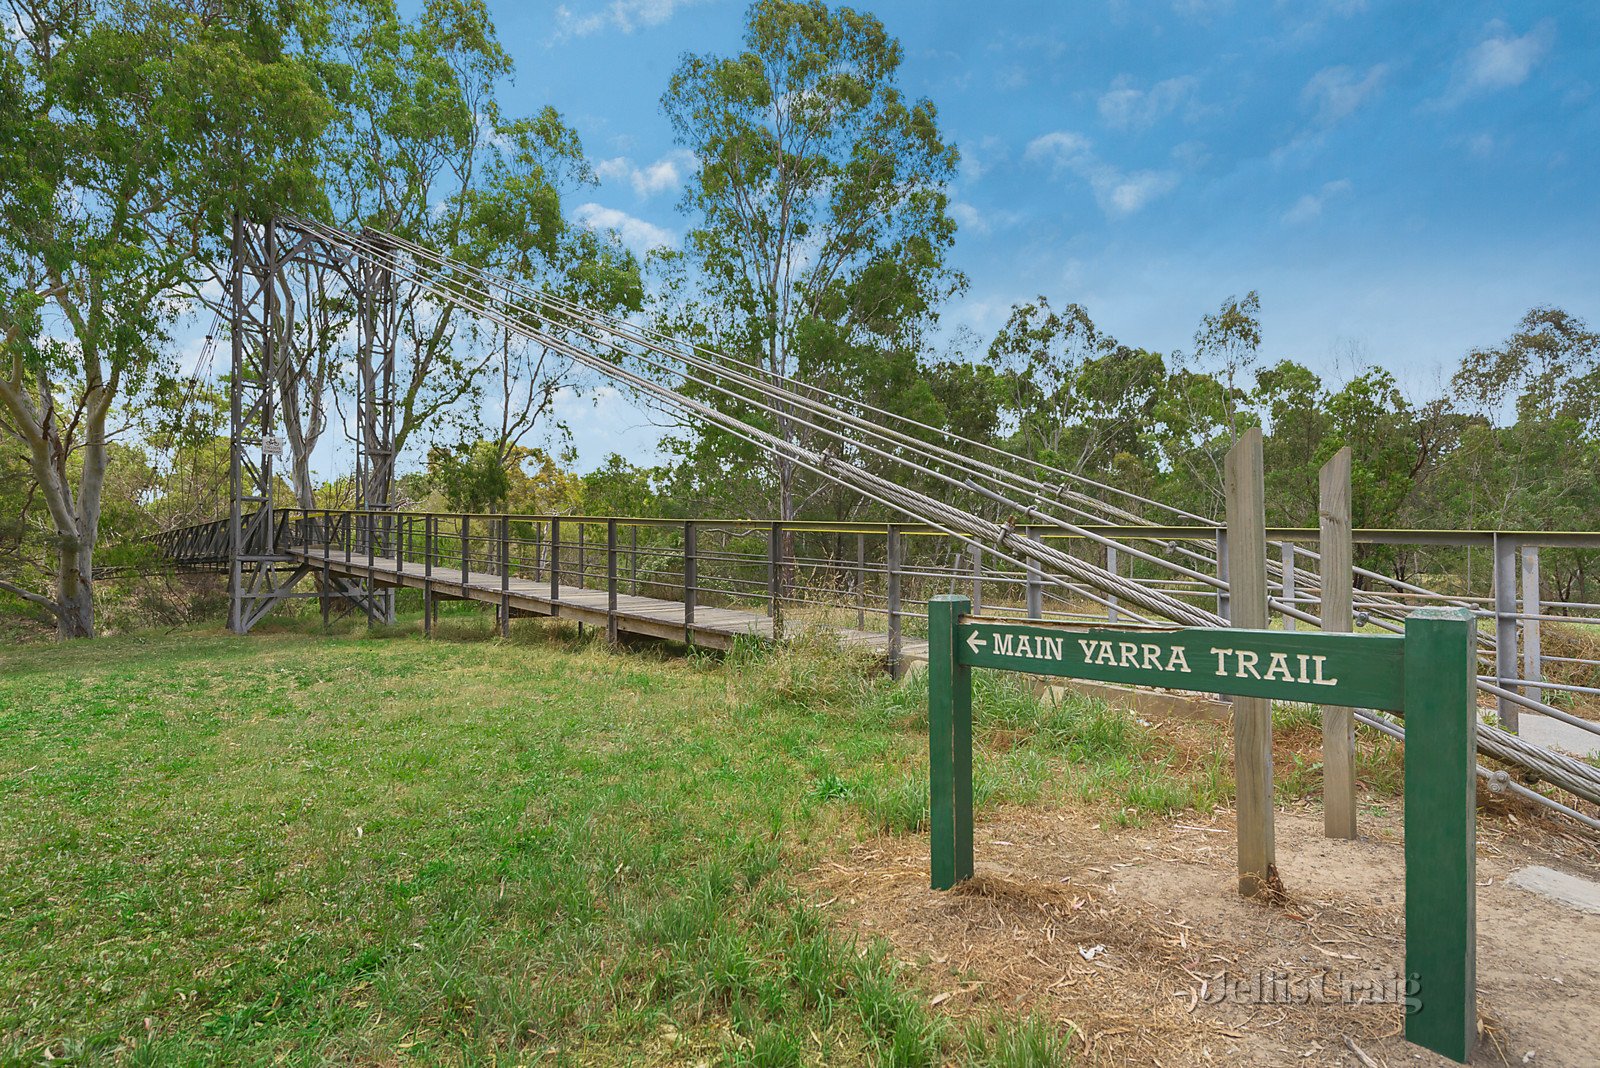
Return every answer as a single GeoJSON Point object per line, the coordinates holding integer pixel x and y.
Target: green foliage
{"type": "Point", "coordinates": [131, 134]}
{"type": "Point", "coordinates": [821, 225]}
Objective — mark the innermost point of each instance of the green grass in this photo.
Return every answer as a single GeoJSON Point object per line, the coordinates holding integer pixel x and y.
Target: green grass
{"type": "Point", "coordinates": [1027, 749]}
{"type": "Point", "coordinates": [302, 849]}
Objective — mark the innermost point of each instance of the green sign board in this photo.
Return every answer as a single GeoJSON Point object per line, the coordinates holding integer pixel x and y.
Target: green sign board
{"type": "Point", "coordinates": [1327, 669]}
{"type": "Point", "coordinates": [1428, 675]}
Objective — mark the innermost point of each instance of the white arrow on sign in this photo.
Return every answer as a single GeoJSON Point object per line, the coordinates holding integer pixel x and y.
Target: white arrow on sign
{"type": "Point", "coordinates": [975, 643]}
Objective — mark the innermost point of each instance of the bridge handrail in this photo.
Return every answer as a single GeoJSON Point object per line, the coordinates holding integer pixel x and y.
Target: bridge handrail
{"type": "Point", "coordinates": [1473, 538]}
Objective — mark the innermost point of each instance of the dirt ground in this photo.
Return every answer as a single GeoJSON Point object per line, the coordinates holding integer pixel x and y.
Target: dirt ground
{"type": "Point", "coordinates": [1138, 940]}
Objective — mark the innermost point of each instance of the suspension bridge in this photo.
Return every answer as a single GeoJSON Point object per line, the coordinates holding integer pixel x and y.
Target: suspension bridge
{"type": "Point", "coordinates": [1027, 539]}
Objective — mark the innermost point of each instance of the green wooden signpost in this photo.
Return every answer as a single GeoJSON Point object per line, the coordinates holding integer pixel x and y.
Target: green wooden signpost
{"type": "Point", "coordinates": [1427, 675]}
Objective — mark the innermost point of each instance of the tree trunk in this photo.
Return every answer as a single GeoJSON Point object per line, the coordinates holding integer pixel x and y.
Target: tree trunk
{"type": "Point", "coordinates": [75, 601]}
{"type": "Point", "coordinates": [36, 420]}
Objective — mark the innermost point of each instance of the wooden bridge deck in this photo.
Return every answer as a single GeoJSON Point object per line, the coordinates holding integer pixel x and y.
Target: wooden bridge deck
{"type": "Point", "coordinates": [653, 617]}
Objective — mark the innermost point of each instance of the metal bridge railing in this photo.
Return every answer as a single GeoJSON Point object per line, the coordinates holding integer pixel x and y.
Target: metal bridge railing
{"type": "Point", "coordinates": [878, 577]}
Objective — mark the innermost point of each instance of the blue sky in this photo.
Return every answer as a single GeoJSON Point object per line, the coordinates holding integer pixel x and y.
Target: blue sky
{"type": "Point", "coordinates": [1400, 181]}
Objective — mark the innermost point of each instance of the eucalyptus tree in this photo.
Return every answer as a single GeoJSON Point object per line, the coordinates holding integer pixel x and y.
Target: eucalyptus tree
{"type": "Point", "coordinates": [1075, 397]}
{"type": "Point", "coordinates": [1205, 405]}
{"type": "Point", "coordinates": [1528, 457]}
{"type": "Point", "coordinates": [422, 149]}
{"type": "Point", "coordinates": [820, 234]}
{"type": "Point", "coordinates": [129, 133]}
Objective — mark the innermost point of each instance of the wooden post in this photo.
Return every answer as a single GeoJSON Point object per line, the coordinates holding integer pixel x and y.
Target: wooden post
{"type": "Point", "coordinates": [891, 562]}
{"type": "Point", "coordinates": [949, 746]}
{"type": "Point", "coordinates": [611, 581]}
{"type": "Point", "coordinates": [691, 580]}
{"type": "Point", "coordinates": [1252, 716]}
{"type": "Point", "coordinates": [1338, 722]}
{"type": "Point", "coordinates": [1532, 608]}
{"type": "Point", "coordinates": [1505, 627]}
{"type": "Point", "coordinates": [1441, 832]}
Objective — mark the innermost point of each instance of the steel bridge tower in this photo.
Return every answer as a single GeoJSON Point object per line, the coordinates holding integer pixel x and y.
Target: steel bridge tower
{"type": "Point", "coordinates": [266, 355]}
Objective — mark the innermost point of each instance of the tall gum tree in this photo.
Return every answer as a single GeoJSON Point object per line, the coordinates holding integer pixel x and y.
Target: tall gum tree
{"type": "Point", "coordinates": [820, 206]}
{"type": "Point", "coordinates": [423, 149]}
{"type": "Point", "coordinates": [129, 133]}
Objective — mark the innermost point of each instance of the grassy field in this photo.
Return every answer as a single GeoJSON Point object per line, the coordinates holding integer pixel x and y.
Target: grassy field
{"type": "Point", "coordinates": [374, 848]}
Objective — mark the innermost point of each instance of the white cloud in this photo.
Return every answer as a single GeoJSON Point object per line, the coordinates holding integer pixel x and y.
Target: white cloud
{"type": "Point", "coordinates": [1127, 193]}
{"type": "Point", "coordinates": [636, 233]}
{"type": "Point", "coordinates": [979, 158]}
{"type": "Point", "coordinates": [1500, 61]}
{"type": "Point", "coordinates": [983, 220]}
{"type": "Point", "coordinates": [1191, 154]}
{"type": "Point", "coordinates": [1337, 92]}
{"type": "Point", "coordinates": [1125, 107]}
{"type": "Point", "coordinates": [1064, 148]}
{"type": "Point", "coordinates": [1202, 9]}
{"type": "Point", "coordinates": [968, 217]}
{"type": "Point", "coordinates": [1117, 192]}
{"type": "Point", "coordinates": [624, 15]}
{"type": "Point", "coordinates": [1310, 206]}
{"type": "Point", "coordinates": [611, 169]}
{"type": "Point", "coordinates": [663, 175]}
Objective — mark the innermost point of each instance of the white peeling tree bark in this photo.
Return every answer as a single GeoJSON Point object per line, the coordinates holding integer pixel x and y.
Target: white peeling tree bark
{"type": "Point", "coordinates": [71, 498]}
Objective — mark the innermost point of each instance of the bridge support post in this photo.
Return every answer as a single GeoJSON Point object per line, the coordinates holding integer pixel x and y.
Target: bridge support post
{"type": "Point", "coordinates": [611, 582]}
{"type": "Point", "coordinates": [327, 576]}
{"type": "Point", "coordinates": [1532, 609]}
{"type": "Point", "coordinates": [1286, 565]}
{"type": "Point", "coordinates": [505, 576]}
{"type": "Point", "coordinates": [891, 562]}
{"type": "Point", "coordinates": [555, 567]}
{"type": "Point", "coordinates": [1034, 591]}
{"type": "Point", "coordinates": [775, 579]}
{"type": "Point", "coordinates": [1505, 628]}
{"type": "Point", "coordinates": [977, 578]}
{"type": "Point", "coordinates": [1224, 603]}
{"type": "Point", "coordinates": [691, 580]}
{"type": "Point", "coordinates": [1112, 613]}
{"type": "Point", "coordinates": [430, 525]}
{"type": "Point", "coordinates": [861, 582]}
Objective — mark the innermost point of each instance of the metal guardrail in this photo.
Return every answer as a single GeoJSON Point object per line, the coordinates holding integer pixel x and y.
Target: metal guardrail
{"type": "Point", "coordinates": [880, 575]}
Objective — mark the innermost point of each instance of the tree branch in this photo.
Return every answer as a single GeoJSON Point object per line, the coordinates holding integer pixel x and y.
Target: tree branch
{"type": "Point", "coordinates": [32, 598]}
